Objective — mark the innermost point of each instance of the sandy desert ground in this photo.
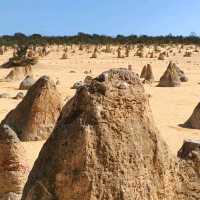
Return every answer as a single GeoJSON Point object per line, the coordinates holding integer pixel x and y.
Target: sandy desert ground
{"type": "Point", "coordinates": [170, 106]}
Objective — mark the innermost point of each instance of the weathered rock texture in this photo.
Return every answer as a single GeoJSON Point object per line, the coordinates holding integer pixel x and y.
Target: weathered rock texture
{"type": "Point", "coordinates": [26, 83]}
{"type": "Point", "coordinates": [143, 72]}
{"type": "Point", "coordinates": [161, 56]}
{"type": "Point", "coordinates": [13, 165]}
{"type": "Point", "coordinates": [170, 78]}
{"type": "Point", "coordinates": [189, 171]}
{"type": "Point", "coordinates": [104, 146]}
{"type": "Point", "coordinates": [181, 74]}
{"type": "Point", "coordinates": [94, 54]}
{"type": "Point", "coordinates": [19, 95]}
{"type": "Point", "coordinates": [194, 120]}
{"type": "Point", "coordinates": [35, 116]}
{"type": "Point", "coordinates": [147, 74]}
{"type": "Point", "coordinates": [19, 73]}
{"type": "Point", "coordinates": [188, 147]}
{"type": "Point", "coordinates": [64, 56]}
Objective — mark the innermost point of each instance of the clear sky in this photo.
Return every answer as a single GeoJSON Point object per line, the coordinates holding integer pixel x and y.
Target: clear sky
{"type": "Point", "coordinates": [110, 17]}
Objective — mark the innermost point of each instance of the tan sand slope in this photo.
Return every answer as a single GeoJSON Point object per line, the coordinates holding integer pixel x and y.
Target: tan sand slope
{"type": "Point", "coordinates": [170, 106]}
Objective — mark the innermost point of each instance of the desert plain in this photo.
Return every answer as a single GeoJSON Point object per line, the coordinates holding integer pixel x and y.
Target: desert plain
{"type": "Point", "coordinates": [171, 106]}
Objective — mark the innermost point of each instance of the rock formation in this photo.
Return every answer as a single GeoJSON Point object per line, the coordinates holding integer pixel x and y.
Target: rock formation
{"type": "Point", "coordinates": [189, 171]}
{"type": "Point", "coordinates": [19, 73]}
{"type": "Point", "coordinates": [170, 78]}
{"type": "Point", "coordinates": [181, 73]}
{"type": "Point", "coordinates": [26, 83]}
{"type": "Point", "coordinates": [35, 116]}
{"type": "Point", "coordinates": [108, 49]}
{"type": "Point", "coordinates": [119, 53]}
{"type": "Point", "coordinates": [13, 165]}
{"type": "Point", "coordinates": [161, 56]}
{"type": "Point", "coordinates": [1, 51]}
{"type": "Point", "coordinates": [88, 80]}
{"type": "Point", "coordinates": [77, 85]}
{"type": "Point", "coordinates": [147, 74]}
{"type": "Point", "coordinates": [194, 120]}
{"type": "Point", "coordinates": [94, 54]}
{"type": "Point", "coordinates": [19, 95]}
{"type": "Point", "coordinates": [151, 55]}
{"type": "Point", "coordinates": [188, 147]}
{"type": "Point", "coordinates": [20, 58]}
{"type": "Point", "coordinates": [130, 67]}
{"type": "Point", "coordinates": [81, 47]}
{"type": "Point", "coordinates": [4, 95]}
{"type": "Point", "coordinates": [127, 51]}
{"type": "Point", "coordinates": [64, 56]}
{"type": "Point", "coordinates": [140, 53]}
{"type": "Point", "coordinates": [107, 147]}
{"type": "Point", "coordinates": [143, 72]}
{"type": "Point", "coordinates": [187, 54]}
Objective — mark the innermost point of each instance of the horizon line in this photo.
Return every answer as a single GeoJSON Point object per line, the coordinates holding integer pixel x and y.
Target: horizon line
{"type": "Point", "coordinates": [192, 34]}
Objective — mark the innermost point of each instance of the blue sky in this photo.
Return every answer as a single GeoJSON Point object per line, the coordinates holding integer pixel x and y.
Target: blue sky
{"type": "Point", "coordinates": [110, 17]}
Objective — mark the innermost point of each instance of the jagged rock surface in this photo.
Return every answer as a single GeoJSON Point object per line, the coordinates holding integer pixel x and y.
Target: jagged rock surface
{"type": "Point", "coordinates": [35, 116]}
{"type": "Point", "coordinates": [19, 95]}
{"type": "Point", "coordinates": [189, 171]}
{"type": "Point", "coordinates": [188, 147]}
{"type": "Point", "coordinates": [107, 147]}
{"type": "Point", "coordinates": [143, 72]}
{"type": "Point", "coordinates": [147, 74]}
{"type": "Point", "coordinates": [170, 78]}
{"type": "Point", "coordinates": [194, 120]}
{"type": "Point", "coordinates": [13, 165]}
{"type": "Point", "coordinates": [181, 74]}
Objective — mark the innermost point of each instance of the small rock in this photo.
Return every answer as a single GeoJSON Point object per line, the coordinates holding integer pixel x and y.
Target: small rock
{"type": "Point", "coordinates": [4, 95]}
{"type": "Point", "coordinates": [122, 85]}
{"type": "Point", "coordinates": [72, 71]}
{"type": "Point", "coordinates": [87, 72]}
{"type": "Point", "coordinates": [58, 82]}
{"type": "Point", "coordinates": [20, 95]}
{"type": "Point", "coordinates": [77, 85]}
{"type": "Point", "coordinates": [188, 147]}
{"type": "Point", "coordinates": [26, 83]}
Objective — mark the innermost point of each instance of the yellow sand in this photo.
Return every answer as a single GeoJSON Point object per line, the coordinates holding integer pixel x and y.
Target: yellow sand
{"type": "Point", "coordinates": [170, 106]}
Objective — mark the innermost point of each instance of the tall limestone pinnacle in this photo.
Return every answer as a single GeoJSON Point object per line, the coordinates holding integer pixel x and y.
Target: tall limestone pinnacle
{"type": "Point", "coordinates": [105, 146]}
{"type": "Point", "coordinates": [35, 116]}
